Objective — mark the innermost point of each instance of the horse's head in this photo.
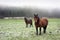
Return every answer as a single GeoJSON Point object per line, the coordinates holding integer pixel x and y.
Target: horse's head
{"type": "Point", "coordinates": [36, 17]}
{"type": "Point", "coordinates": [25, 18]}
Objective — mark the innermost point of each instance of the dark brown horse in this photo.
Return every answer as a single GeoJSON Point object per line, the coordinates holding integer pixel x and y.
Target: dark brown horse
{"type": "Point", "coordinates": [41, 23]}
{"type": "Point", "coordinates": [28, 21]}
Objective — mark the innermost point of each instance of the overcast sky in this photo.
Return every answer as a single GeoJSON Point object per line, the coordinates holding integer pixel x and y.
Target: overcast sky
{"type": "Point", "coordinates": [31, 3]}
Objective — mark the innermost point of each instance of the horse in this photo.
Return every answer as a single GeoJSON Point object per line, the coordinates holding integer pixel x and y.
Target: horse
{"type": "Point", "coordinates": [40, 23]}
{"type": "Point", "coordinates": [28, 21]}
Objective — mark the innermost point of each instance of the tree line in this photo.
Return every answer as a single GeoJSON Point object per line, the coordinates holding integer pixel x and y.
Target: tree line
{"type": "Point", "coordinates": [28, 12]}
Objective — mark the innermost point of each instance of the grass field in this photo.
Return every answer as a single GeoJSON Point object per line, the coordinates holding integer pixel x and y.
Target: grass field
{"type": "Point", "coordinates": [14, 29]}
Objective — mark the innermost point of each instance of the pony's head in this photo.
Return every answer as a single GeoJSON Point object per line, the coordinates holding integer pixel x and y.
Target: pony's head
{"type": "Point", "coordinates": [36, 17]}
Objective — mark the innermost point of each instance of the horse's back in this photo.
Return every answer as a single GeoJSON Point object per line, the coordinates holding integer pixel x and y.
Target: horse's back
{"type": "Point", "coordinates": [44, 21]}
{"type": "Point", "coordinates": [28, 20]}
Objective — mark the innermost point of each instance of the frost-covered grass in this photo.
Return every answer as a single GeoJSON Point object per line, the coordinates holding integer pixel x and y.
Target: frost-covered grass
{"type": "Point", "coordinates": [14, 29]}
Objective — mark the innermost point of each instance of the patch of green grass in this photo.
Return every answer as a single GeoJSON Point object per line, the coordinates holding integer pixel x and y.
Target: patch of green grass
{"type": "Point", "coordinates": [14, 29]}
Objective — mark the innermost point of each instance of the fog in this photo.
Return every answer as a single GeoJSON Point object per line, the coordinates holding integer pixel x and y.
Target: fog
{"type": "Point", "coordinates": [27, 8]}
{"type": "Point", "coordinates": [31, 3]}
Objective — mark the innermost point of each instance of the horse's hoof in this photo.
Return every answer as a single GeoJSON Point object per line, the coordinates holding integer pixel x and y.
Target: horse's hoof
{"type": "Point", "coordinates": [36, 34]}
{"type": "Point", "coordinates": [44, 32]}
{"type": "Point", "coordinates": [50, 32]}
{"type": "Point", "coordinates": [26, 27]}
{"type": "Point", "coordinates": [40, 34]}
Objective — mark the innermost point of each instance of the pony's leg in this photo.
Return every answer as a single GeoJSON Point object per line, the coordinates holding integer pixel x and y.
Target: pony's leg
{"type": "Point", "coordinates": [36, 30]}
{"type": "Point", "coordinates": [44, 29]}
{"type": "Point", "coordinates": [40, 31]}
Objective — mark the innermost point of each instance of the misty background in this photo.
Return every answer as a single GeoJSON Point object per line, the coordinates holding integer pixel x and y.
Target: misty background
{"type": "Point", "coordinates": [27, 8]}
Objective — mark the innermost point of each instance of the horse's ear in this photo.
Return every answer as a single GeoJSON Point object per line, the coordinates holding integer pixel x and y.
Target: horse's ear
{"type": "Point", "coordinates": [37, 14]}
{"type": "Point", "coordinates": [34, 14]}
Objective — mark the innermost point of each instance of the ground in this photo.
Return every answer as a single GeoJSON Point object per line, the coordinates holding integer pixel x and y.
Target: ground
{"type": "Point", "coordinates": [14, 29]}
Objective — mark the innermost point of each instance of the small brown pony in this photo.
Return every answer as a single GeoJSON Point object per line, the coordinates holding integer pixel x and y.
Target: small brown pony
{"type": "Point", "coordinates": [28, 21]}
{"type": "Point", "coordinates": [43, 22]}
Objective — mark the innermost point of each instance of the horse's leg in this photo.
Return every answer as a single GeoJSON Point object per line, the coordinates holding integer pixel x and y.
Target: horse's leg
{"type": "Point", "coordinates": [31, 25]}
{"type": "Point", "coordinates": [44, 29]}
{"type": "Point", "coordinates": [40, 31]}
{"type": "Point", "coordinates": [26, 25]}
{"type": "Point", "coordinates": [36, 30]}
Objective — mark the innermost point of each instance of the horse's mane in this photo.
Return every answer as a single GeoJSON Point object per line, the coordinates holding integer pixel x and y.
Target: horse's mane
{"type": "Point", "coordinates": [37, 21]}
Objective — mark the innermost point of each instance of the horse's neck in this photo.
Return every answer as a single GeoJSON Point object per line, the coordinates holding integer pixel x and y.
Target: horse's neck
{"type": "Point", "coordinates": [38, 20]}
